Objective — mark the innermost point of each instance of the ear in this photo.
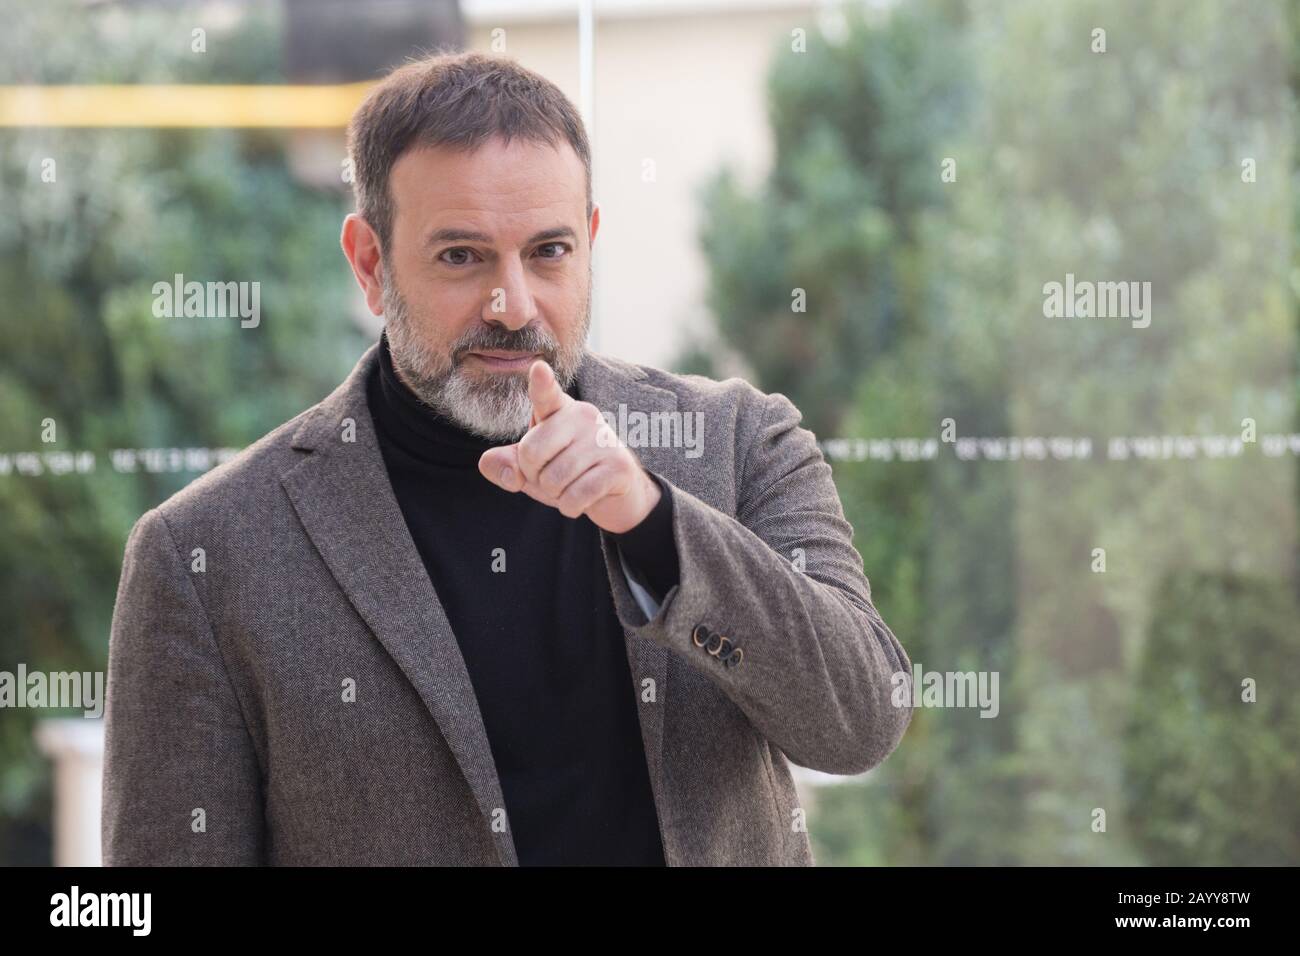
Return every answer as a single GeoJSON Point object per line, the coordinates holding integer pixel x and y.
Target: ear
{"type": "Point", "coordinates": [361, 245]}
{"type": "Point", "coordinates": [594, 225]}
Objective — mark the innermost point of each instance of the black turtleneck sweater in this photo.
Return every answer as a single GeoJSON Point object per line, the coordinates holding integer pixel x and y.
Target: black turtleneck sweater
{"type": "Point", "coordinates": [540, 639]}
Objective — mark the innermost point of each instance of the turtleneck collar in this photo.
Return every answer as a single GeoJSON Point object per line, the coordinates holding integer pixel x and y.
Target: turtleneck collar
{"type": "Point", "coordinates": [419, 430]}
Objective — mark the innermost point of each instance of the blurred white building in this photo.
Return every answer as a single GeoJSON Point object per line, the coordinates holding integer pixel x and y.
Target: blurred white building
{"type": "Point", "coordinates": [678, 89]}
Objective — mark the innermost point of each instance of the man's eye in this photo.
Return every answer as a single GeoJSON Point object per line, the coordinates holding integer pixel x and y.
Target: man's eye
{"type": "Point", "coordinates": [562, 247]}
{"type": "Point", "coordinates": [459, 251]}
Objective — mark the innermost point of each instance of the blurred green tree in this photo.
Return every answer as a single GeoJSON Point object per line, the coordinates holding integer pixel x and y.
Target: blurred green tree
{"type": "Point", "coordinates": [1211, 775]}
{"type": "Point", "coordinates": [81, 345]}
{"type": "Point", "coordinates": [926, 304]}
{"type": "Point", "coordinates": [822, 271]}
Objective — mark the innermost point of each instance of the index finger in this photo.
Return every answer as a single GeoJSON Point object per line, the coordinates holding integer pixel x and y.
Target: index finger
{"type": "Point", "coordinates": [544, 392]}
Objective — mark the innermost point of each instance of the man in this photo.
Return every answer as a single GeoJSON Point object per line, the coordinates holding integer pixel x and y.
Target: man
{"type": "Point", "coordinates": [446, 616]}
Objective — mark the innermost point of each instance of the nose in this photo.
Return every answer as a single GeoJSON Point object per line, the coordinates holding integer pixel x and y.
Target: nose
{"type": "Point", "coordinates": [510, 303]}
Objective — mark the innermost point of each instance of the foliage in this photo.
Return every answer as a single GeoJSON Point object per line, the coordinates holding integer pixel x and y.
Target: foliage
{"type": "Point", "coordinates": [926, 304]}
{"type": "Point", "coordinates": [78, 261]}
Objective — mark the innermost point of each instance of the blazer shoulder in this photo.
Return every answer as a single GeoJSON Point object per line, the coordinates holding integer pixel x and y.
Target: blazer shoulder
{"type": "Point", "coordinates": [701, 390]}
{"type": "Point", "coordinates": [735, 400]}
{"type": "Point", "coordinates": [246, 483]}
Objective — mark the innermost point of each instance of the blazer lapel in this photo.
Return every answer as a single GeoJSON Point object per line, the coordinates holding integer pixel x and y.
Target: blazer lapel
{"type": "Point", "coordinates": [345, 501]}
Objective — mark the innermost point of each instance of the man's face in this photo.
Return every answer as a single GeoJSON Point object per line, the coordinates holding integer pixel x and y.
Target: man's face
{"type": "Point", "coordinates": [487, 269]}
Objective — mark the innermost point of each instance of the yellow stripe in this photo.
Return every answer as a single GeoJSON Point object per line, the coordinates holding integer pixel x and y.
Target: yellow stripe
{"type": "Point", "coordinates": [316, 107]}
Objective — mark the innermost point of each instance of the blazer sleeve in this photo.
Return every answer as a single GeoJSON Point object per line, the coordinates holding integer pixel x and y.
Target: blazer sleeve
{"type": "Point", "coordinates": [176, 742]}
{"type": "Point", "coordinates": [774, 607]}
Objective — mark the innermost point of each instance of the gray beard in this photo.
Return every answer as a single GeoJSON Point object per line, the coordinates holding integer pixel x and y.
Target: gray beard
{"type": "Point", "coordinates": [496, 406]}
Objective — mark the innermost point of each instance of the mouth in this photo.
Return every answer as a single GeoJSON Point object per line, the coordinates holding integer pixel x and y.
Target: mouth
{"type": "Point", "coordinates": [502, 361]}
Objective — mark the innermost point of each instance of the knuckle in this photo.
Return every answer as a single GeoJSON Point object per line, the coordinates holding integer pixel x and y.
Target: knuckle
{"type": "Point", "coordinates": [554, 477]}
{"type": "Point", "coordinates": [590, 486]}
{"type": "Point", "coordinates": [530, 450]}
{"type": "Point", "coordinates": [605, 436]}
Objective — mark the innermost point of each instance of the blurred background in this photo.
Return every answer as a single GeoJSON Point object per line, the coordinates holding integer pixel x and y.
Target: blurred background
{"type": "Point", "coordinates": [858, 205]}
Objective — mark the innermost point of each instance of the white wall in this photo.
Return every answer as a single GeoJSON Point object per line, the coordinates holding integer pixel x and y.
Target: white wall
{"type": "Point", "coordinates": [682, 85]}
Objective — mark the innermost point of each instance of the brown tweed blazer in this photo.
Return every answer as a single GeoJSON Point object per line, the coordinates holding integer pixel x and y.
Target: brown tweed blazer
{"type": "Point", "coordinates": [228, 737]}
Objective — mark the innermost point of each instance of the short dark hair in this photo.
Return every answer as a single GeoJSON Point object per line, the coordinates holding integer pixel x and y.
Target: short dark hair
{"type": "Point", "coordinates": [455, 100]}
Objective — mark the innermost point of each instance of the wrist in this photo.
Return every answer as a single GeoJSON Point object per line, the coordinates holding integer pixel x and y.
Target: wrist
{"type": "Point", "coordinates": [652, 492]}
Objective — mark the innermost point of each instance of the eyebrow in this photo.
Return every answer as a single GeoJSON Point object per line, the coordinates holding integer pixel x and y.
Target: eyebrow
{"type": "Point", "coordinates": [467, 235]}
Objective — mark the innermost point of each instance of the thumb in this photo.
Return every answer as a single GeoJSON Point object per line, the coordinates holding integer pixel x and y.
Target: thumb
{"type": "Point", "coordinates": [501, 467]}
{"type": "Point", "coordinates": [544, 392]}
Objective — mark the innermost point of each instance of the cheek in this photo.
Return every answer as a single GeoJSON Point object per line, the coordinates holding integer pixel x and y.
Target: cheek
{"type": "Point", "coordinates": [563, 306]}
{"type": "Point", "coordinates": [445, 309]}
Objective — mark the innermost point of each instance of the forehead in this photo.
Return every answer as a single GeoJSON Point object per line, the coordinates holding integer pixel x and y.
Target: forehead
{"type": "Point", "coordinates": [497, 183]}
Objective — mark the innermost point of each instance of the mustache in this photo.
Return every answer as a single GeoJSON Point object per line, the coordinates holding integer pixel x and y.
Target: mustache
{"type": "Point", "coordinates": [488, 338]}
